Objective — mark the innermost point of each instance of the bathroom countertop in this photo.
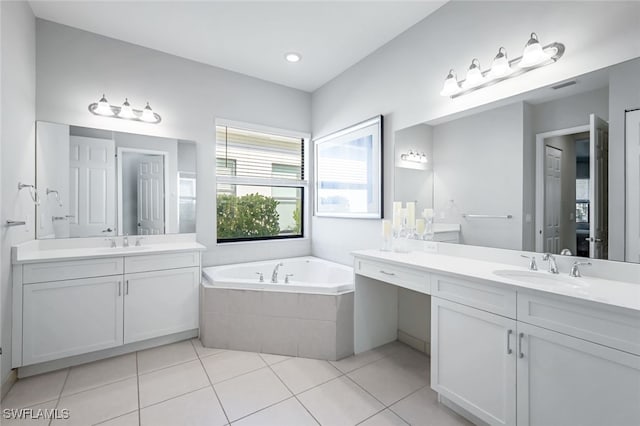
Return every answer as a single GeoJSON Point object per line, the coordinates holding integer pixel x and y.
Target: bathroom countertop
{"type": "Point", "coordinates": [615, 293]}
{"type": "Point", "coordinates": [34, 255]}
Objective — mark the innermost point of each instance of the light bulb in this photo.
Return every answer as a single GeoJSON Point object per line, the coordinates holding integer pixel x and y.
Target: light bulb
{"type": "Point", "coordinates": [103, 107]}
{"type": "Point", "coordinates": [423, 158]}
{"type": "Point", "coordinates": [533, 53]}
{"type": "Point", "coordinates": [451, 86]}
{"type": "Point", "coordinates": [126, 111]}
{"type": "Point", "coordinates": [474, 75]}
{"type": "Point", "coordinates": [148, 115]}
{"type": "Point", "coordinates": [500, 66]}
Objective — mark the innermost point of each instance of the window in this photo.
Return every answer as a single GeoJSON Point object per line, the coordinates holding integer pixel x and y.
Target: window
{"type": "Point", "coordinates": [260, 185]}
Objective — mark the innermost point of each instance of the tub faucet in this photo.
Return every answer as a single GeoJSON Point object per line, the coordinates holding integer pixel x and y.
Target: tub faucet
{"type": "Point", "coordinates": [274, 275]}
{"type": "Point", "coordinates": [553, 266]}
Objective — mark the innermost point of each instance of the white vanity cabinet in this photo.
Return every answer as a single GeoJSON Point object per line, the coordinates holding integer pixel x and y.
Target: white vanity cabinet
{"type": "Point", "coordinates": [68, 308]}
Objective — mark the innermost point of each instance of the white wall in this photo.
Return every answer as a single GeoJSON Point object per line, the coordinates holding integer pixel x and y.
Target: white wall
{"type": "Point", "coordinates": [402, 79]}
{"type": "Point", "coordinates": [75, 67]}
{"type": "Point", "coordinates": [477, 169]}
{"type": "Point", "coordinates": [18, 82]}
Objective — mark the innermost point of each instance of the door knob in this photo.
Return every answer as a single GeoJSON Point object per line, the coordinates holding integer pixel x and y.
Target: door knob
{"type": "Point", "coordinates": [107, 230]}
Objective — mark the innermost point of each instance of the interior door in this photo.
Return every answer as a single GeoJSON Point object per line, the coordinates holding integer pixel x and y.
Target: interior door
{"type": "Point", "coordinates": [632, 249]}
{"type": "Point", "coordinates": [552, 199]}
{"type": "Point", "coordinates": [151, 212]}
{"type": "Point", "coordinates": [92, 187]}
{"type": "Point", "coordinates": [599, 188]}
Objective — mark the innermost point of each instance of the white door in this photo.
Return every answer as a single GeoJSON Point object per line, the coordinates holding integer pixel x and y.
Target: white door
{"type": "Point", "coordinates": [92, 187]}
{"type": "Point", "coordinates": [599, 188]}
{"type": "Point", "coordinates": [151, 195]}
{"type": "Point", "coordinates": [473, 360]}
{"type": "Point", "coordinates": [65, 318]}
{"type": "Point", "coordinates": [566, 381]}
{"type": "Point", "coordinates": [632, 249]}
{"type": "Point", "coordinates": [160, 303]}
{"type": "Point", "coordinates": [552, 199]}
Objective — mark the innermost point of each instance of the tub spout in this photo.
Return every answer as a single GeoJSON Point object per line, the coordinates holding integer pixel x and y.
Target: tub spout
{"type": "Point", "coordinates": [274, 275]}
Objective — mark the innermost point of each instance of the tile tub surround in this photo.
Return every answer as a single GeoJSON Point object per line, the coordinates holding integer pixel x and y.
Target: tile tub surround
{"type": "Point", "coordinates": [180, 384]}
{"type": "Point", "coordinates": [292, 324]}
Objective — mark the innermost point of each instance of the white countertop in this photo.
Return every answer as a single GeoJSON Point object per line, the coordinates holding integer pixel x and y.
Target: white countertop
{"type": "Point", "coordinates": [615, 293]}
{"type": "Point", "coordinates": [34, 254]}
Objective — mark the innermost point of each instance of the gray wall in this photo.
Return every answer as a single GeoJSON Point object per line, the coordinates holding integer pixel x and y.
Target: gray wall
{"type": "Point", "coordinates": [18, 82]}
{"type": "Point", "coordinates": [75, 67]}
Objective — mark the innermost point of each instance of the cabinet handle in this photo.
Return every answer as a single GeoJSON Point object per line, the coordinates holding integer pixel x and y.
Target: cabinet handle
{"type": "Point", "coordinates": [520, 337]}
{"type": "Point", "coordinates": [127, 288]}
{"type": "Point", "coordinates": [387, 273]}
{"type": "Point", "coordinates": [509, 333]}
{"type": "Point", "coordinates": [119, 288]}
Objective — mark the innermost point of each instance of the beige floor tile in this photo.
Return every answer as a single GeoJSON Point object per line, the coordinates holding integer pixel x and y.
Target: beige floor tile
{"type": "Point", "coordinates": [339, 402]}
{"type": "Point", "coordinates": [422, 409]}
{"type": "Point", "coordinates": [170, 382]}
{"type": "Point", "coordinates": [100, 404]}
{"type": "Point", "coordinates": [202, 351]}
{"type": "Point", "coordinates": [165, 356]}
{"type": "Point", "coordinates": [251, 392]}
{"type": "Point", "coordinates": [274, 359]}
{"type": "Point", "coordinates": [392, 378]}
{"type": "Point", "coordinates": [199, 408]}
{"type": "Point", "coordinates": [103, 372]}
{"type": "Point", "coordinates": [300, 374]}
{"type": "Point", "coordinates": [285, 413]}
{"type": "Point", "coordinates": [228, 364]}
{"type": "Point", "coordinates": [384, 418]}
{"type": "Point", "coordinates": [33, 420]}
{"type": "Point", "coordinates": [131, 419]}
{"type": "Point", "coordinates": [35, 389]}
{"type": "Point", "coordinates": [354, 362]}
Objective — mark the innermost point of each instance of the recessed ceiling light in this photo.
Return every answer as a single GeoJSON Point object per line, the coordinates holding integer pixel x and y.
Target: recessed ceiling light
{"type": "Point", "coordinates": [293, 57]}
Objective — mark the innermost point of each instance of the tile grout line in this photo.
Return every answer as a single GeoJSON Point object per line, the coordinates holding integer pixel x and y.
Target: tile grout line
{"type": "Point", "coordinates": [113, 418]}
{"type": "Point", "coordinates": [210, 382]}
{"type": "Point", "coordinates": [138, 386]}
{"type": "Point", "coordinates": [174, 397]}
{"type": "Point", "coordinates": [402, 399]}
{"type": "Point", "coordinates": [66, 377]}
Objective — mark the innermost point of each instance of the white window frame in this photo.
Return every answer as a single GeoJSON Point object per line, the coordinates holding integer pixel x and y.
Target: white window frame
{"type": "Point", "coordinates": [243, 180]}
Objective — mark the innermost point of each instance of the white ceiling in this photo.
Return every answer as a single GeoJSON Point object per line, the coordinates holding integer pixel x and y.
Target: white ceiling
{"type": "Point", "coordinates": [250, 37]}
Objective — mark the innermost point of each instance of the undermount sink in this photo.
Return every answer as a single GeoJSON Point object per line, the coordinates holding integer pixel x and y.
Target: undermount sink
{"type": "Point", "coordinates": [541, 278]}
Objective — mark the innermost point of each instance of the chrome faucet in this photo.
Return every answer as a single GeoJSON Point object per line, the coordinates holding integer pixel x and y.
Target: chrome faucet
{"type": "Point", "coordinates": [125, 240]}
{"type": "Point", "coordinates": [575, 272]}
{"type": "Point", "coordinates": [112, 242]}
{"type": "Point", "coordinates": [553, 266]}
{"type": "Point", "coordinates": [533, 266]}
{"type": "Point", "coordinates": [274, 275]}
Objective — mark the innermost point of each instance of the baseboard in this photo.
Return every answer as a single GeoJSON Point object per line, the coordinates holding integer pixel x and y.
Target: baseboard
{"type": "Point", "coordinates": [71, 361]}
{"type": "Point", "coordinates": [414, 342]}
{"type": "Point", "coordinates": [12, 377]}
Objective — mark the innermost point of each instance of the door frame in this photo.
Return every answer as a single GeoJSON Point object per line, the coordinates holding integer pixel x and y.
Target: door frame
{"type": "Point", "coordinates": [165, 164]}
{"type": "Point", "coordinates": [540, 137]}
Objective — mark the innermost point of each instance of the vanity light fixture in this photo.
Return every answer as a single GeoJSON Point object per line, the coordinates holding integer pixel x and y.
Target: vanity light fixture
{"type": "Point", "coordinates": [126, 112]}
{"type": "Point", "coordinates": [534, 56]}
{"type": "Point", "coordinates": [414, 157]}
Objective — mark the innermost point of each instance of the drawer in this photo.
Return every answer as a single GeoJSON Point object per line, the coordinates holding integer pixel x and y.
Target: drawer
{"type": "Point", "coordinates": [477, 294]}
{"type": "Point", "coordinates": [402, 277]}
{"type": "Point", "coordinates": [609, 326]}
{"type": "Point", "coordinates": [72, 269]}
{"type": "Point", "coordinates": [158, 262]}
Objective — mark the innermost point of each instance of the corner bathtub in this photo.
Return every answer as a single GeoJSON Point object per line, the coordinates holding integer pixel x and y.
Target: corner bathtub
{"type": "Point", "coordinates": [311, 316]}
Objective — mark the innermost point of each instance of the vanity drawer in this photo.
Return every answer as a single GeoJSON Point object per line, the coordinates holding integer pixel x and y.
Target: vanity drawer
{"type": "Point", "coordinates": [158, 262]}
{"type": "Point", "coordinates": [72, 269]}
{"type": "Point", "coordinates": [609, 326]}
{"type": "Point", "coordinates": [480, 295]}
{"type": "Point", "coordinates": [402, 277]}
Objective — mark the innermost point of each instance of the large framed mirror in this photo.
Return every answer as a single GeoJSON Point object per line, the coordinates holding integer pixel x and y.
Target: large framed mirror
{"type": "Point", "coordinates": [552, 170]}
{"type": "Point", "coordinates": [95, 182]}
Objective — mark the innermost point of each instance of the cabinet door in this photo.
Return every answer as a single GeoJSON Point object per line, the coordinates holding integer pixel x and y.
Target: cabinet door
{"type": "Point", "coordinates": [567, 381]}
{"type": "Point", "coordinates": [160, 303]}
{"type": "Point", "coordinates": [65, 318]}
{"type": "Point", "coordinates": [473, 360]}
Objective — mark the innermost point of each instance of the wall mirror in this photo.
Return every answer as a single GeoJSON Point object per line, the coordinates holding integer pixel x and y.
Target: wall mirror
{"type": "Point", "coordinates": [348, 171]}
{"type": "Point", "coordinates": [96, 182]}
{"type": "Point", "coordinates": [552, 170]}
